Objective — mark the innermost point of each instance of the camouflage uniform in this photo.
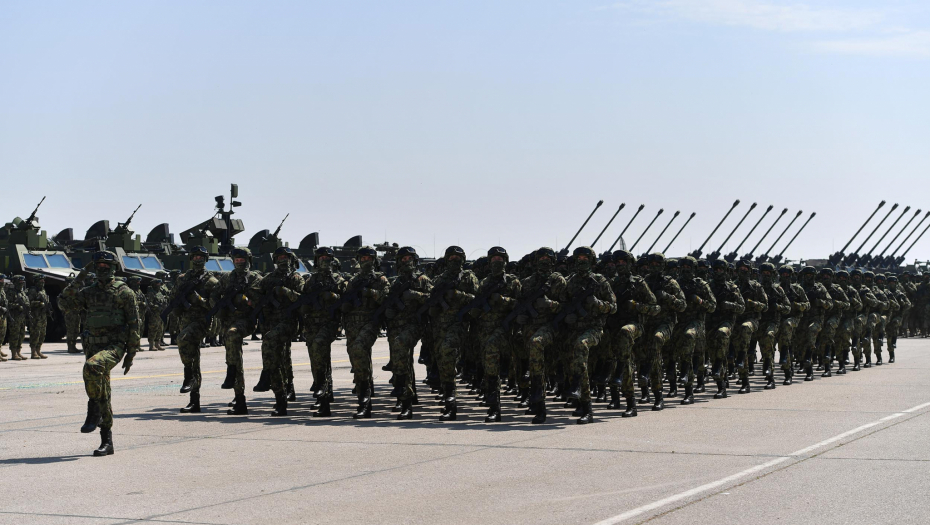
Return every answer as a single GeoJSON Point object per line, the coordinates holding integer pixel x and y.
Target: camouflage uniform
{"type": "Point", "coordinates": [770, 321]}
{"type": "Point", "coordinates": [896, 324]}
{"type": "Point", "coordinates": [719, 324]}
{"type": "Point", "coordinates": [19, 311]}
{"type": "Point", "coordinates": [4, 310]}
{"type": "Point", "coordinates": [865, 321]}
{"type": "Point", "coordinates": [155, 301]}
{"type": "Point", "coordinates": [887, 315]}
{"type": "Point", "coordinates": [846, 330]}
{"type": "Point", "coordinates": [690, 329]}
{"type": "Point", "coordinates": [39, 311]}
{"type": "Point", "coordinates": [659, 328]}
{"type": "Point", "coordinates": [789, 323]}
{"type": "Point", "coordinates": [72, 324]}
{"type": "Point", "coordinates": [585, 302]}
{"type": "Point", "coordinates": [812, 321]}
{"type": "Point", "coordinates": [909, 326]}
{"type": "Point", "coordinates": [825, 344]}
{"type": "Point", "coordinates": [135, 284]}
{"type": "Point", "coordinates": [747, 323]}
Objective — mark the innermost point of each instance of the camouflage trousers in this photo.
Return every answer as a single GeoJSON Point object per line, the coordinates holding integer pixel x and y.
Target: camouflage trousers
{"type": "Point", "coordinates": [805, 339]}
{"type": "Point", "coordinates": [72, 327]}
{"type": "Point", "coordinates": [234, 331]}
{"type": "Point", "coordinates": [656, 337]}
{"type": "Point", "coordinates": [786, 341]}
{"type": "Point", "coordinates": [276, 349]}
{"type": "Point", "coordinates": [192, 333]}
{"type": "Point", "coordinates": [868, 335]}
{"type": "Point", "coordinates": [841, 339]}
{"type": "Point", "coordinates": [37, 328]}
{"type": "Point", "coordinates": [581, 341]}
{"type": "Point", "coordinates": [767, 335]}
{"type": "Point", "coordinates": [401, 341]}
{"type": "Point", "coordinates": [892, 330]}
{"type": "Point", "coordinates": [16, 330]}
{"type": "Point", "coordinates": [739, 341]}
{"type": "Point", "coordinates": [825, 349]}
{"type": "Point", "coordinates": [495, 342]}
{"type": "Point", "coordinates": [621, 343]}
{"type": "Point", "coordinates": [685, 338]}
{"type": "Point", "coordinates": [878, 334]}
{"type": "Point", "coordinates": [319, 334]}
{"type": "Point", "coordinates": [449, 342]}
{"type": "Point", "coordinates": [361, 334]}
{"type": "Point", "coordinates": [2, 330]}
{"type": "Point", "coordinates": [718, 344]}
{"type": "Point", "coordinates": [538, 340]}
{"type": "Point", "coordinates": [156, 330]}
{"type": "Point", "coordinates": [102, 359]}
{"type": "Point", "coordinates": [174, 323]}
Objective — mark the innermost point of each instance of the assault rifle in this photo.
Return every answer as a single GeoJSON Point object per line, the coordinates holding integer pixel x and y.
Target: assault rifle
{"type": "Point", "coordinates": [266, 298]}
{"type": "Point", "coordinates": [310, 297]}
{"type": "Point", "coordinates": [180, 298]}
{"type": "Point", "coordinates": [526, 306]}
{"type": "Point", "coordinates": [577, 305]}
{"type": "Point", "coordinates": [437, 297]}
{"type": "Point", "coordinates": [226, 301]}
{"type": "Point", "coordinates": [351, 296]}
{"type": "Point", "coordinates": [481, 301]}
{"type": "Point", "coordinates": [394, 299]}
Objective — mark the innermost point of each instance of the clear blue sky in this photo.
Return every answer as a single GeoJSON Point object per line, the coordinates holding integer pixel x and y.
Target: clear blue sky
{"type": "Point", "coordinates": [473, 123]}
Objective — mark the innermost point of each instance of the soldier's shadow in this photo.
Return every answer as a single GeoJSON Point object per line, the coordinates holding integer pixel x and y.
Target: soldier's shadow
{"type": "Point", "coordinates": [39, 461]}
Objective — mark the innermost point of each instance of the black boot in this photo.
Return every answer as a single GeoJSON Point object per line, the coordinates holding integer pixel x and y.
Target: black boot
{"type": "Point", "coordinates": [826, 370]}
{"type": "Point", "coordinates": [389, 367]}
{"type": "Point", "coordinates": [646, 398]}
{"type": "Point", "coordinates": [721, 389]}
{"type": "Point", "coordinates": [291, 393]}
{"type": "Point", "coordinates": [770, 380]}
{"type": "Point", "coordinates": [364, 401]}
{"type": "Point", "coordinates": [856, 363]}
{"type": "Point", "coordinates": [809, 371]}
{"type": "Point", "coordinates": [574, 391]}
{"type": "Point", "coordinates": [689, 395]}
{"type": "Point", "coordinates": [494, 408]}
{"type": "Point", "coordinates": [323, 410]}
{"type": "Point", "coordinates": [239, 407]}
{"type": "Point", "coordinates": [406, 410]}
{"type": "Point", "coordinates": [264, 382]}
{"type": "Point", "coordinates": [868, 361]}
{"type": "Point", "coordinates": [630, 407]}
{"type": "Point", "coordinates": [280, 405]}
{"type": "Point", "coordinates": [878, 357]}
{"type": "Point", "coordinates": [193, 407]}
{"type": "Point", "coordinates": [449, 409]}
{"type": "Point", "coordinates": [186, 385]}
{"type": "Point", "coordinates": [890, 354]}
{"type": "Point", "coordinates": [230, 380]}
{"type": "Point", "coordinates": [789, 376]}
{"type": "Point", "coordinates": [540, 416]}
{"type": "Point", "coordinates": [524, 398]}
{"type": "Point", "coordinates": [672, 389]}
{"type": "Point", "coordinates": [587, 415]}
{"type": "Point", "coordinates": [93, 417]}
{"type": "Point", "coordinates": [614, 397]}
{"type": "Point", "coordinates": [106, 443]}
{"type": "Point", "coordinates": [701, 378]}
{"type": "Point", "coordinates": [659, 404]}
{"type": "Point", "coordinates": [744, 385]}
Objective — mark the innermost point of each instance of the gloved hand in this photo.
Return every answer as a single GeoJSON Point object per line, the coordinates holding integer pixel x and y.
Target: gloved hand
{"type": "Point", "coordinates": [328, 296]}
{"type": "Point", "coordinates": [410, 296]}
{"type": "Point", "coordinates": [496, 299]}
{"type": "Point", "coordinates": [571, 319]}
{"type": "Point", "coordinates": [368, 292]}
{"type": "Point", "coordinates": [451, 295]}
{"type": "Point", "coordinates": [523, 319]}
{"type": "Point", "coordinates": [542, 304]}
{"type": "Point", "coordinates": [127, 361]}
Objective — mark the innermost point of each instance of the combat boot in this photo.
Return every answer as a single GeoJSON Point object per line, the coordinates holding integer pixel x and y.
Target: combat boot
{"type": "Point", "coordinates": [524, 396]}
{"type": "Point", "coordinates": [40, 354]}
{"type": "Point", "coordinates": [770, 380]}
{"type": "Point", "coordinates": [173, 340]}
{"type": "Point", "coordinates": [587, 415]}
{"type": "Point", "coordinates": [406, 410]}
{"type": "Point", "coordinates": [239, 407]}
{"type": "Point", "coordinates": [188, 375]}
{"type": "Point", "coordinates": [868, 361]}
{"type": "Point", "coordinates": [193, 407]}
{"type": "Point", "coordinates": [826, 370]}
{"type": "Point", "coordinates": [106, 443]}
{"type": "Point", "coordinates": [789, 375]}
{"type": "Point", "coordinates": [323, 408]}
{"type": "Point", "coordinates": [721, 389]}
{"type": "Point", "coordinates": [744, 385]}
{"type": "Point", "coordinates": [540, 416]}
{"type": "Point", "coordinates": [701, 379]}
{"type": "Point", "coordinates": [600, 394]}
{"type": "Point", "coordinates": [809, 371]}
{"type": "Point", "coordinates": [630, 407]}
{"type": "Point", "coordinates": [264, 382]}
{"type": "Point", "coordinates": [689, 395]}
{"type": "Point", "coordinates": [291, 393]}
{"type": "Point", "coordinates": [34, 354]}
{"type": "Point", "coordinates": [280, 406]}
{"type": "Point", "coordinates": [574, 391]}
{"type": "Point", "coordinates": [672, 389]}
{"type": "Point", "coordinates": [659, 402]}
{"type": "Point", "coordinates": [878, 357]}
{"type": "Point", "coordinates": [646, 398]}
{"type": "Point", "coordinates": [614, 397]}
{"type": "Point", "coordinates": [364, 401]}
{"type": "Point", "coordinates": [841, 368]}
{"type": "Point", "coordinates": [494, 408]}
{"type": "Point", "coordinates": [93, 417]}
{"type": "Point", "coordinates": [72, 348]}
{"type": "Point", "coordinates": [890, 354]}
{"type": "Point", "coordinates": [230, 380]}
{"type": "Point", "coordinates": [449, 408]}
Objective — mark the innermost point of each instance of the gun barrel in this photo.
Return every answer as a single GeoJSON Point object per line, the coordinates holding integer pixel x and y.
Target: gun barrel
{"type": "Point", "coordinates": [783, 233]}
{"type": "Point", "coordinates": [880, 204]}
{"type": "Point", "coordinates": [895, 223]}
{"type": "Point", "coordinates": [766, 234]}
{"type": "Point", "coordinates": [756, 225]}
{"type": "Point", "coordinates": [661, 233]}
{"type": "Point", "coordinates": [278, 230]}
{"type": "Point", "coordinates": [641, 206]}
{"type": "Point", "coordinates": [670, 243]}
{"type": "Point", "coordinates": [910, 234]}
{"type": "Point", "coordinates": [622, 205]}
{"type": "Point", "coordinates": [569, 245]}
{"type": "Point", "coordinates": [733, 207]}
{"type": "Point", "coordinates": [893, 208]}
{"type": "Point", "coordinates": [737, 227]}
{"type": "Point", "coordinates": [915, 241]}
{"type": "Point", "coordinates": [797, 233]}
{"type": "Point", "coordinates": [908, 223]}
{"type": "Point", "coordinates": [647, 228]}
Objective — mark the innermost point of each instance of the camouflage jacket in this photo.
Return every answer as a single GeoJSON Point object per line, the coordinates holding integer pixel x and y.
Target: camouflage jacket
{"type": "Point", "coordinates": [198, 298]}
{"type": "Point", "coordinates": [799, 301]}
{"type": "Point", "coordinates": [38, 302]}
{"type": "Point", "coordinates": [111, 312]}
{"type": "Point", "coordinates": [4, 303]}
{"type": "Point", "coordinates": [779, 304]}
{"type": "Point", "coordinates": [635, 301]}
{"type": "Point", "coordinates": [901, 297]}
{"type": "Point", "coordinates": [19, 303]}
{"type": "Point", "coordinates": [893, 304]}
{"type": "Point", "coordinates": [405, 305]}
{"type": "Point", "coordinates": [464, 285]}
{"type": "Point", "coordinates": [870, 303]}
{"type": "Point", "coordinates": [155, 300]}
{"type": "Point", "coordinates": [501, 301]}
{"type": "Point", "coordinates": [884, 305]}
{"type": "Point", "coordinates": [755, 299]}
{"type": "Point", "coordinates": [373, 286]}
{"type": "Point", "coordinates": [532, 285]}
{"type": "Point", "coordinates": [820, 300]}
{"type": "Point", "coordinates": [840, 301]}
{"type": "Point", "coordinates": [729, 302]}
{"type": "Point", "coordinates": [668, 296]}
{"type": "Point", "coordinates": [326, 286]}
{"type": "Point", "coordinates": [234, 290]}
{"type": "Point", "coordinates": [699, 298]}
{"type": "Point", "coordinates": [598, 306]}
{"type": "Point", "coordinates": [855, 302]}
{"type": "Point", "coordinates": [274, 293]}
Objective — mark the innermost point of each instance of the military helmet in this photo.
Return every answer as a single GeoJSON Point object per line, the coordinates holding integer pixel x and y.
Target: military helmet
{"type": "Point", "coordinates": [718, 263]}
{"type": "Point", "coordinates": [879, 277]}
{"type": "Point", "coordinates": [671, 263]}
{"type": "Point", "coordinates": [198, 250]}
{"type": "Point", "coordinates": [744, 263]}
{"type": "Point", "coordinates": [366, 251]}
{"type": "Point", "coordinates": [623, 255]}
{"type": "Point", "coordinates": [767, 267]}
{"type": "Point", "coordinates": [702, 263]}
{"type": "Point", "coordinates": [855, 272]}
{"type": "Point", "coordinates": [282, 250]}
{"type": "Point", "coordinates": [688, 261]}
{"type": "Point", "coordinates": [892, 278]}
{"type": "Point", "coordinates": [404, 252]}
{"type": "Point", "coordinates": [786, 269]}
{"type": "Point", "coordinates": [868, 274]}
{"type": "Point", "coordinates": [658, 257]}
{"type": "Point", "coordinates": [586, 251]}
{"type": "Point", "coordinates": [37, 278]}
{"type": "Point", "coordinates": [104, 255]}
{"type": "Point", "coordinates": [842, 274]}
{"type": "Point", "coordinates": [323, 251]}
{"type": "Point", "coordinates": [455, 250]}
{"type": "Point", "coordinates": [156, 281]}
{"type": "Point", "coordinates": [808, 270]}
{"type": "Point", "coordinates": [19, 279]}
{"type": "Point", "coordinates": [497, 251]}
{"type": "Point", "coordinates": [161, 275]}
{"type": "Point", "coordinates": [135, 279]}
{"type": "Point", "coordinates": [244, 253]}
{"type": "Point", "coordinates": [544, 251]}
{"type": "Point", "coordinates": [826, 272]}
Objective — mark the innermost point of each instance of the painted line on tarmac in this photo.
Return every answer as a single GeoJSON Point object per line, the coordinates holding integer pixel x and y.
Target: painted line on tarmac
{"type": "Point", "coordinates": [156, 376]}
{"type": "Point", "coordinates": [639, 511]}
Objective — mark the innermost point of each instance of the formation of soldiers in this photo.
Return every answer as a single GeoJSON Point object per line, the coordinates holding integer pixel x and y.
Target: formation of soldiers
{"type": "Point", "coordinates": [574, 330]}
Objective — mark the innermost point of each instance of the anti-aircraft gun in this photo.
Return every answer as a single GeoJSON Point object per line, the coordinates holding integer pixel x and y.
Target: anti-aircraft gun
{"type": "Point", "coordinates": [216, 235]}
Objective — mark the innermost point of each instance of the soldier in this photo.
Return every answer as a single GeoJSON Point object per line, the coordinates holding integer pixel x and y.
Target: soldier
{"type": "Point", "coordinates": [881, 310]}
{"type": "Point", "coordinates": [719, 324]}
{"type": "Point", "coordinates": [846, 330]}
{"type": "Point", "coordinates": [172, 322]}
{"type": "Point", "coordinates": [887, 315]}
{"type": "Point", "coordinates": [39, 309]}
{"type": "Point", "coordinates": [409, 289]}
{"type": "Point", "coordinates": [922, 305]}
{"type": "Point", "coordinates": [73, 318]}
{"type": "Point", "coordinates": [789, 323]}
{"type": "Point", "coordinates": [276, 291]}
{"type": "Point", "coordinates": [363, 296]}
{"type": "Point", "coordinates": [584, 305]}
{"type": "Point", "coordinates": [812, 321]}
{"type": "Point", "coordinates": [19, 313]}
{"type": "Point", "coordinates": [825, 347]}
{"type": "Point", "coordinates": [496, 297]}
{"type": "Point", "coordinates": [135, 284]}
{"type": "Point", "coordinates": [535, 317]}
{"type": "Point", "coordinates": [897, 321]}
{"type": "Point", "coordinates": [321, 289]}
{"type": "Point", "coordinates": [233, 297]}
{"type": "Point", "coordinates": [452, 289]}
{"type": "Point", "coordinates": [770, 321]}
{"type": "Point", "coordinates": [113, 327]}
{"type": "Point", "coordinates": [659, 327]}
{"type": "Point", "coordinates": [909, 328]}
{"type": "Point", "coordinates": [155, 301]}
{"type": "Point", "coordinates": [4, 312]}
{"type": "Point", "coordinates": [690, 329]}
{"type": "Point", "coordinates": [748, 322]}
{"type": "Point", "coordinates": [867, 320]}
{"type": "Point", "coordinates": [190, 298]}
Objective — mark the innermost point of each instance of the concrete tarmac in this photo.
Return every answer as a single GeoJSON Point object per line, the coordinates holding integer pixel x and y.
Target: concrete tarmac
{"type": "Point", "coordinates": [846, 449]}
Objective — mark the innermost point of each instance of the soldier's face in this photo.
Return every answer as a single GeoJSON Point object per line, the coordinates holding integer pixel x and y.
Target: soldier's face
{"type": "Point", "coordinates": [198, 259]}
{"type": "Point", "coordinates": [843, 281]}
{"type": "Point", "coordinates": [743, 273]}
{"type": "Point", "coordinates": [240, 261]}
{"type": "Point", "coordinates": [720, 273]}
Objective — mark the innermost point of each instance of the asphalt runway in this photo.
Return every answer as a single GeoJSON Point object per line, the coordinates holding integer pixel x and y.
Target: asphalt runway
{"type": "Point", "coordinates": [846, 449]}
